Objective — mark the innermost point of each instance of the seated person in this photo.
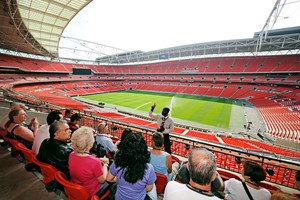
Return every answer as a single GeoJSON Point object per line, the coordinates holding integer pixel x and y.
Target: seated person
{"type": "Point", "coordinates": [85, 169]}
{"type": "Point", "coordinates": [253, 174]}
{"type": "Point", "coordinates": [297, 183]}
{"type": "Point", "coordinates": [183, 176]}
{"type": "Point", "coordinates": [125, 132]}
{"type": "Point", "coordinates": [161, 160]}
{"type": "Point", "coordinates": [67, 116]}
{"type": "Point", "coordinates": [75, 122]}
{"type": "Point", "coordinates": [43, 131]}
{"type": "Point", "coordinates": [13, 106]}
{"type": "Point", "coordinates": [202, 169]}
{"type": "Point", "coordinates": [103, 139]}
{"type": "Point", "coordinates": [18, 130]}
{"type": "Point", "coordinates": [55, 150]}
{"type": "Point", "coordinates": [131, 169]}
{"type": "Point", "coordinates": [283, 196]}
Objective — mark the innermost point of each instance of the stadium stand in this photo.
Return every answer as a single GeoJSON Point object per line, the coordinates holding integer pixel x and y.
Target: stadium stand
{"type": "Point", "coordinates": [269, 82]}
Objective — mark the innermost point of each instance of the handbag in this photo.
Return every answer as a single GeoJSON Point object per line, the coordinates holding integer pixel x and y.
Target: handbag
{"type": "Point", "coordinates": [247, 190]}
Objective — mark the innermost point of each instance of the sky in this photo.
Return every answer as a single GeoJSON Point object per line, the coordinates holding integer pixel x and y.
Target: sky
{"type": "Point", "coordinates": [148, 25]}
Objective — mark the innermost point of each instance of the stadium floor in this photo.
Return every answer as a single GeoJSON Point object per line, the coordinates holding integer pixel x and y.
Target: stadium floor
{"type": "Point", "coordinates": [16, 183]}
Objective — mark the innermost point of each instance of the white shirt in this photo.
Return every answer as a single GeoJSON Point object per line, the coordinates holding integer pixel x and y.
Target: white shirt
{"type": "Point", "coordinates": [168, 125]}
{"type": "Point", "coordinates": [179, 191]}
{"type": "Point", "coordinates": [234, 190]}
{"type": "Point", "coordinates": [41, 135]}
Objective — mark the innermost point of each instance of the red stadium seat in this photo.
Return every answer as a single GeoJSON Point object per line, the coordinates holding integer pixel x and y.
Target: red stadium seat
{"type": "Point", "coordinates": [161, 182]}
{"type": "Point", "coordinates": [227, 175]}
{"type": "Point", "coordinates": [28, 155]}
{"type": "Point", "coordinates": [75, 191]}
{"type": "Point", "coordinates": [47, 170]}
{"type": "Point", "coordinates": [72, 190]}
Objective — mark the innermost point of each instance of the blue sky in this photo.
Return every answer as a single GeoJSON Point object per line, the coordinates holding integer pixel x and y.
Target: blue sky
{"type": "Point", "coordinates": [156, 24]}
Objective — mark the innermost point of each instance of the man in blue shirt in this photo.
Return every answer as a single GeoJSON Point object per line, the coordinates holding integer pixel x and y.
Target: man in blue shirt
{"type": "Point", "coordinates": [103, 138]}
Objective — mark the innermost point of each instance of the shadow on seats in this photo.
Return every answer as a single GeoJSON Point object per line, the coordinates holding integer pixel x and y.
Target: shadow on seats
{"type": "Point", "coordinates": [75, 191]}
{"type": "Point", "coordinates": [48, 171]}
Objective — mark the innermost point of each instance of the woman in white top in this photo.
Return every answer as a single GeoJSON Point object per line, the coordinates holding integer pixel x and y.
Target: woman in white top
{"type": "Point", "coordinates": [253, 174]}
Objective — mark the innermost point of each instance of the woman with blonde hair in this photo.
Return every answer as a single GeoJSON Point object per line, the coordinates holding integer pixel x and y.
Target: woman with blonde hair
{"type": "Point", "coordinates": [86, 169]}
{"type": "Point", "coordinates": [17, 128]}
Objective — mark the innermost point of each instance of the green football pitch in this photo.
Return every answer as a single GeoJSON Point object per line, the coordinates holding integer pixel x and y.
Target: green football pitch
{"type": "Point", "coordinates": [211, 111]}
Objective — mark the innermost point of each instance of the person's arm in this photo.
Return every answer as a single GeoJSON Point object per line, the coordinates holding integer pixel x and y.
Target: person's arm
{"type": "Point", "coordinates": [149, 187]}
{"type": "Point", "coordinates": [25, 133]}
{"type": "Point", "coordinates": [111, 146]}
{"type": "Point", "coordinates": [151, 114]}
{"type": "Point", "coordinates": [111, 178]}
{"type": "Point", "coordinates": [102, 178]}
{"type": "Point", "coordinates": [171, 127]}
{"type": "Point", "coordinates": [222, 187]}
{"type": "Point", "coordinates": [169, 163]}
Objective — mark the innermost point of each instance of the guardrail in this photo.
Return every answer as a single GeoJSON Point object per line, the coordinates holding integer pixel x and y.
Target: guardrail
{"type": "Point", "coordinates": [280, 170]}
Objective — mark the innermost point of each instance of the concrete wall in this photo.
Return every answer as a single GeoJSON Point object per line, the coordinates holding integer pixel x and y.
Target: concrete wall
{"type": "Point", "coordinates": [5, 108]}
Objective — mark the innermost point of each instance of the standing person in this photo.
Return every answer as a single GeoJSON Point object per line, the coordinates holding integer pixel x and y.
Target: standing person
{"type": "Point", "coordinates": [202, 167]}
{"type": "Point", "coordinates": [131, 169]}
{"type": "Point", "coordinates": [253, 174]}
{"type": "Point", "coordinates": [43, 131]}
{"type": "Point", "coordinates": [55, 150]}
{"type": "Point", "coordinates": [20, 131]}
{"type": "Point", "coordinates": [165, 125]}
{"type": "Point", "coordinates": [85, 169]}
{"type": "Point", "coordinates": [67, 116]}
{"type": "Point", "coordinates": [75, 122]}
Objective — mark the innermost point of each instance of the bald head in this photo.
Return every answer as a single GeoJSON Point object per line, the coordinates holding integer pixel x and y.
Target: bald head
{"type": "Point", "coordinates": [102, 127]}
{"type": "Point", "coordinates": [202, 166]}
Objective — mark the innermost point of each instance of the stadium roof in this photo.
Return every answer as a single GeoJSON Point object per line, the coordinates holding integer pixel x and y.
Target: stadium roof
{"type": "Point", "coordinates": [35, 27]}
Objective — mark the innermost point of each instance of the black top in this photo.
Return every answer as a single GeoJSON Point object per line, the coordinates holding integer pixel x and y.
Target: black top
{"type": "Point", "coordinates": [56, 153]}
{"type": "Point", "coordinates": [11, 134]}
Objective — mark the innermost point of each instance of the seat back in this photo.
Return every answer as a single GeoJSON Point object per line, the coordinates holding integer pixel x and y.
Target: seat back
{"type": "Point", "coordinates": [227, 175]}
{"type": "Point", "coordinates": [47, 170]}
{"type": "Point", "coordinates": [28, 154]}
{"type": "Point", "coordinates": [175, 159]}
{"type": "Point", "coordinates": [73, 191]}
{"type": "Point", "coordinates": [161, 182]}
{"type": "Point", "coordinates": [272, 188]}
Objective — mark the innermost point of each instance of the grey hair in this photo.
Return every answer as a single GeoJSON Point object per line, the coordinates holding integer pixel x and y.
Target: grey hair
{"type": "Point", "coordinates": [54, 127]}
{"type": "Point", "coordinates": [202, 166]}
{"type": "Point", "coordinates": [82, 139]}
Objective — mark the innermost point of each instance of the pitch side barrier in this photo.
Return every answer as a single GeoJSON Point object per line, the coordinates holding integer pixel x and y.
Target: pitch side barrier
{"type": "Point", "coordinates": [280, 170]}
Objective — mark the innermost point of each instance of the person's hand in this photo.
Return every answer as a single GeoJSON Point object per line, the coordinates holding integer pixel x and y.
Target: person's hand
{"type": "Point", "coordinates": [104, 160]}
{"type": "Point", "coordinates": [161, 129]}
{"type": "Point", "coordinates": [153, 107]}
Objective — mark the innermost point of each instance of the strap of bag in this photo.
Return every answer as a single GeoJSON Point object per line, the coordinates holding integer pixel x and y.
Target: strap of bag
{"type": "Point", "coordinates": [247, 190]}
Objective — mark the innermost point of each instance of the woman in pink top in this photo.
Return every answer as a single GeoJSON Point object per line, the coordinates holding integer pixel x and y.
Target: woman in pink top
{"type": "Point", "coordinates": [86, 169]}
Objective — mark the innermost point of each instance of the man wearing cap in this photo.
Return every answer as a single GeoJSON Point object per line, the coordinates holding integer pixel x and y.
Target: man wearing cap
{"type": "Point", "coordinates": [165, 125]}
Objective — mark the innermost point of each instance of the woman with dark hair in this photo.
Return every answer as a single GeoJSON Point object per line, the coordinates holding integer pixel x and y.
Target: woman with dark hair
{"type": "Point", "coordinates": [18, 130]}
{"type": "Point", "coordinates": [131, 169]}
{"type": "Point", "coordinates": [253, 174]}
{"type": "Point", "coordinates": [125, 132]}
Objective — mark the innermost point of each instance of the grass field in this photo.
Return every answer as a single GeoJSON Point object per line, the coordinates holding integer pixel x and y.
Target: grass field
{"type": "Point", "coordinates": [204, 110]}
